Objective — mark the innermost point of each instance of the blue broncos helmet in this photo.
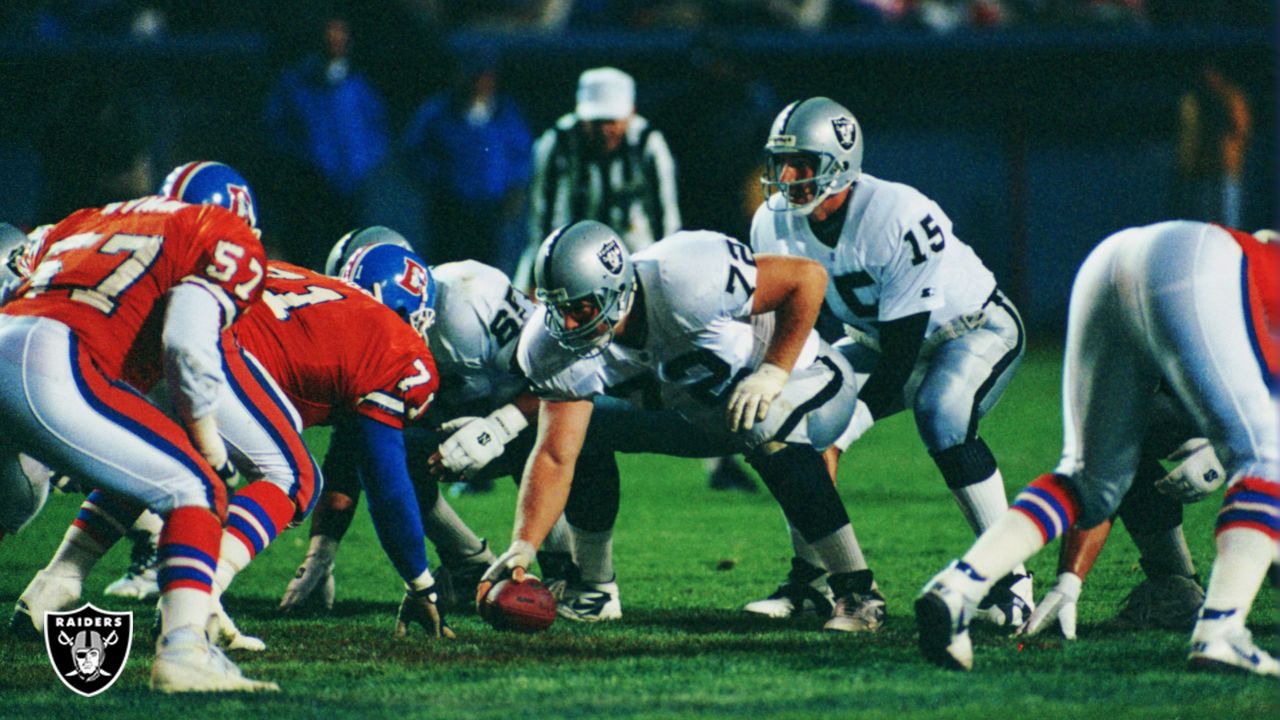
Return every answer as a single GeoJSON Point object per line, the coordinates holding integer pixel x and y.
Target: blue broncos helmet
{"type": "Point", "coordinates": [399, 279]}
{"type": "Point", "coordinates": [211, 183]}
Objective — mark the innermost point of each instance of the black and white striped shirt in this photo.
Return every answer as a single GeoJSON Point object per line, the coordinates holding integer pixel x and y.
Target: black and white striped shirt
{"type": "Point", "coordinates": [632, 191]}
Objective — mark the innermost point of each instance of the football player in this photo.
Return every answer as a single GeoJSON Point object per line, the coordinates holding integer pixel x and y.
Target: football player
{"type": "Point", "coordinates": [699, 325]}
{"type": "Point", "coordinates": [117, 298]}
{"type": "Point", "coordinates": [1185, 305]}
{"type": "Point", "coordinates": [928, 328]}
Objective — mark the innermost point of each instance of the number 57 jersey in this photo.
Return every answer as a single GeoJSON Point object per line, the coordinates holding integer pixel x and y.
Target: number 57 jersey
{"type": "Point", "coordinates": [104, 273]}
{"type": "Point", "coordinates": [334, 350]}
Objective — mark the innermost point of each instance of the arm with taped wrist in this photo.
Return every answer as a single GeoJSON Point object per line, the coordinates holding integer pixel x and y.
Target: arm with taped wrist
{"type": "Point", "coordinates": [392, 503]}
{"type": "Point", "coordinates": [193, 366]}
{"type": "Point", "coordinates": [900, 342]}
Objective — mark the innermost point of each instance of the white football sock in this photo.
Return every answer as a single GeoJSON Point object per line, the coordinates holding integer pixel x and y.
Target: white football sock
{"type": "Point", "coordinates": [804, 550]}
{"type": "Point", "coordinates": [1004, 546]}
{"type": "Point", "coordinates": [982, 503]}
{"type": "Point", "coordinates": [560, 539]}
{"type": "Point", "coordinates": [232, 558]}
{"type": "Point", "coordinates": [840, 551]}
{"type": "Point", "coordinates": [449, 534]}
{"type": "Point", "coordinates": [182, 607]}
{"type": "Point", "coordinates": [593, 552]}
{"type": "Point", "coordinates": [1243, 557]}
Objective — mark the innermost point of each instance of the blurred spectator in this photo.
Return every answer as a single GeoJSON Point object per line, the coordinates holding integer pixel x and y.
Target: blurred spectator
{"type": "Point", "coordinates": [507, 15]}
{"type": "Point", "coordinates": [468, 151]}
{"type": "Point", "coordinates": [602, 162]}
{"type": "Point", "coordinates": [1213, 137]}
{"type": "Point", "coordinates": [328, 126]}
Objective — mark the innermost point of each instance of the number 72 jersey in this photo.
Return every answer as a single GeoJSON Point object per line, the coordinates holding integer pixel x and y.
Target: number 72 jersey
{"type": "Point", "coordinates": [104, 273]}
{"type": "Point", "coordinates": [895, 255]}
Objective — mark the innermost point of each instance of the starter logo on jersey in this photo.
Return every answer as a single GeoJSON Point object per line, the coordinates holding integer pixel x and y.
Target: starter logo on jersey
{"type": "Point", "coordinates": [611, 257]}
{"type": "Point", "coordinates": [88, 647]}
{"type": "Point", "coordinates": [846, 132]}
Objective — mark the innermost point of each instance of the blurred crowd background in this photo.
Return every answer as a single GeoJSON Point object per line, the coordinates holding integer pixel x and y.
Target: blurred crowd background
{"type": "Point", "coordinates": [1040, 126]}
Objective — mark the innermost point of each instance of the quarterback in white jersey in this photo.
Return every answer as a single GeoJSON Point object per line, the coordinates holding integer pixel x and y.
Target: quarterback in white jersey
{"type": "Point", "coordinates": [927, 327]}
{"type": "Point", "coordinates": [700, 325]}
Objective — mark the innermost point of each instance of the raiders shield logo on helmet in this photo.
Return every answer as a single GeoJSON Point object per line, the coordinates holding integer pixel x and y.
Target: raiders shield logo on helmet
{"type": "Point", "coordinates": [611, 257]}
{"type": "Point", "coordinates": [846, 132]}
{"type": "Point", "coordinates": [88, 647]}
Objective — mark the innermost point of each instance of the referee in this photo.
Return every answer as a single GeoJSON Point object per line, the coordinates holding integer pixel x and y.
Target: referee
{"type": "Point", "coordinates": [602, 162]}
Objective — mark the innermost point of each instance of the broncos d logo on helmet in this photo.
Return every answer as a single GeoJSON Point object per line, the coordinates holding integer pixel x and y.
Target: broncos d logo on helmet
{"type": "Point", "coordinates": [611, 257]}
{"type": "Point", "coordinates": [846, 131]}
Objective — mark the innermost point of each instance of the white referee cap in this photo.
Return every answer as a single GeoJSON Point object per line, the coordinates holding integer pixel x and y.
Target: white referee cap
{"type": "Point", "coordinates": [605, 94]}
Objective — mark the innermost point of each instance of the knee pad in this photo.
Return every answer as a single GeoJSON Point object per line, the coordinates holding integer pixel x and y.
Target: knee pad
{"type": "Point", "coordinates": [799, 481]}
{"type": "Point", "coordinates": [594, 497]}
{"type": "Point", "coordinates": [965, 464]}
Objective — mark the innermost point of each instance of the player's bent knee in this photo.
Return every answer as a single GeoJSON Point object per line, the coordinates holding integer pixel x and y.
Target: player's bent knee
{"type": "Point", "coordinates": [798, 478]}
{"type": "Point", "coordinates": [965, 464]}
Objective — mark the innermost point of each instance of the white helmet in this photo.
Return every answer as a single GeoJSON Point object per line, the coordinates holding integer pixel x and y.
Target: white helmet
{"type": "Point", "coordinates": [584, 261]}
{"type": "Point", "coordinates": [348, 244]}
{"type": "Point", "coordinates": [826, 131]}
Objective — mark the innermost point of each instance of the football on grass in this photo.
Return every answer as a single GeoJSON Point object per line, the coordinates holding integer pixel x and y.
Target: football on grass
{"type": "Point", "coordinates": [526, 606]}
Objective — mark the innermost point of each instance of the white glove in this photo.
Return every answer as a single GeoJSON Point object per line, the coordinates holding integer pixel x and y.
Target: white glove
{"type": "Point", "coordinates": [1060, 604]}
{"type": "Point", "coordinates": [518, 556]}
{"type": "Point", "coordinates": [313, 583]}
{"type": "Point", "coordinates": [1198, 472]}
{"type": "Point", "coordinates": [858, 424]}
{"type": "Point", "coordinates": [476, 442]}
{"type": "Point", "coordinates": [751, 398]}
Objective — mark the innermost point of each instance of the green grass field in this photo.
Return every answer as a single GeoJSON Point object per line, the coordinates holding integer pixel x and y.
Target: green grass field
{"type": "Point", "coordinates": [683, 648]}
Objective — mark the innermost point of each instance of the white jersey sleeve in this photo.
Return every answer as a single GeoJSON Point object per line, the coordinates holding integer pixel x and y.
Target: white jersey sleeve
{"type": "Point", "coordinates": [553, 372]}
{"type": "Point", "coordinates": [479, 316]}
{"type": "Point", "coordinates": [711, 275]}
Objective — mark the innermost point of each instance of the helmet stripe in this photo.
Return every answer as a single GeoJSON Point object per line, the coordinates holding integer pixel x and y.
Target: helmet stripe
{"type": "Point", "coordinates": [551, 241]}
{"type": "Point", "coordinates": [180, 185]}
{"type": "Point", "coordinates": [788, 113]}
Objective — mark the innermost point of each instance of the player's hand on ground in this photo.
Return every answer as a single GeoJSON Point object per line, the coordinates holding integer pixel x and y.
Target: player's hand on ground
{"type": "Point", "coordinates": [751, 398]}
{"type": "Point", "coordinates": [312, 585]}
{"type": "Point", "coordinates": [514, 563]}
{"type": "Point", "coordinates": [1058, 604]}
{"type": "Point", "coordinates": [421, 607]}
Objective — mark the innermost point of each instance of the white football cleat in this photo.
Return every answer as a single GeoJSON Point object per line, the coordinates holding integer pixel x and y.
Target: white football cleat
{"type": "Point", "coordinates": [222, 629]}
{"type": "Point", "coordinates": [857, 612]}
{"type": "Point", "coordinates": [805, 588]}
{"type": "Point", "coordinates": [590, 602]}
{"type": "Point", "coordinates": [45, 593]}
{"type": "Point", "coordinates": [141, 580]}
{"type": "Point", "coordinates": [1232, 652]}
{"type": "Point", "coordinates": [312, 587]}
{"type": "Point", "coordinates": [187, 662]}
{"type": "Point", "coordinates": [1009, 603]}
{"type": "Point", "coordinates": [943, 611]}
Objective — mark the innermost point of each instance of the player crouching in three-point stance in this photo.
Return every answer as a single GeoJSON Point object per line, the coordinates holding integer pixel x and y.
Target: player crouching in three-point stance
{"type": "Point", "coordinates": [1190, 306]}
{"type": "Point", "coordinates": [117, 298]}
{"type": "Point", "coordinates": [698, 324]}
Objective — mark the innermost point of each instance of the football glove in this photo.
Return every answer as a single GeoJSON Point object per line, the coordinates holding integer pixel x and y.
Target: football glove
{"type": "Point", "coordinates": [513, 563]}
{"type": "Point", "coordinates": [751, 398]}
{"type": "Point", "coordinates": [420, 606]}
{"type": "Point", "coordinates": [1058, 604]}
{"type": "Point", "coordinates": [1197, 475]}
{"type": "Point", "coordinates": [476, 442]}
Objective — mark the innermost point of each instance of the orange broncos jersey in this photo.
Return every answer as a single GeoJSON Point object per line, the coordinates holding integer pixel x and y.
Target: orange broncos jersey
{"type": "Point", "coordinates": [332, 348]}
{"type": "Point", "coordinates": [1262, 268]}
{"type": "Point", "coordinates": [104, 273]}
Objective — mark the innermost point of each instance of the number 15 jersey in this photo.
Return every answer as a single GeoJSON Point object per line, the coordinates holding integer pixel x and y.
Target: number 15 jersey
{"type": "Point", "coordinates": [895, 255]}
